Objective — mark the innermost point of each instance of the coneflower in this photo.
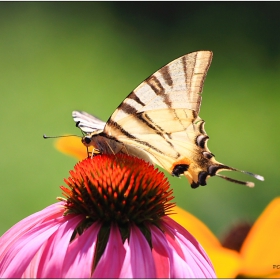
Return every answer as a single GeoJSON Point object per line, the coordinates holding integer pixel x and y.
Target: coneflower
{"type": "Point", "coordinates": [112, 223]}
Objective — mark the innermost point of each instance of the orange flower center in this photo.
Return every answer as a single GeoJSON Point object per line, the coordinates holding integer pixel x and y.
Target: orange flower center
{"type": "Point", "coordinates": [117, 188]}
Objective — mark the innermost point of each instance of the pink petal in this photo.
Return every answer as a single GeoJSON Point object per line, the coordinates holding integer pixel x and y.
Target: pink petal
{"type": "Point", "coordinates": [32, 269]}
{"type": "Point", "coordinates": [188, 236]}
{"type": "Point", "coordinates": [195, 259]}
{"type": "Point", "coordinates": [110, 264]}
{"type": "Point", "coordinates": [139, 261]}
{"type": "Point", "coordinates": [22, 251]}
{"type": "Point", "coordinates": [52, 259]}
{"type": "Point", "coordinates": [180, 268]}
{"type": "Point", "coordinates": [194, 255]}
{"type": "Point", "coordinates": [162, 254]}
{"type": "Point", "coordinates": [11, 236]}
{"type": "Point", "coordinates": [80, 253]}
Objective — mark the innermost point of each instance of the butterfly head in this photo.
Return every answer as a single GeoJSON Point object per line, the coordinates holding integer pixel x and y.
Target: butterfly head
{"type": "Point", "coordinates": [88, 139]}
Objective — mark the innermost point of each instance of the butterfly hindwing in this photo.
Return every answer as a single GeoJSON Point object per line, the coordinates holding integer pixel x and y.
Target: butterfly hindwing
{"type": "Point", "coordinates": [87, 122]}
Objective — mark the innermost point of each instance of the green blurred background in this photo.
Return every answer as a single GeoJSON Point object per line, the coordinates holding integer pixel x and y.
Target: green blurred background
{"type": "Point", "coordinates": [59, 57]}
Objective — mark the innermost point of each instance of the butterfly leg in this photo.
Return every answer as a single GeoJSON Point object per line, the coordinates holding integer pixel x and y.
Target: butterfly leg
{"type": "Point", "coordinates": [112, 151]}
{"type": "Point", "coordinates": [94, 152]}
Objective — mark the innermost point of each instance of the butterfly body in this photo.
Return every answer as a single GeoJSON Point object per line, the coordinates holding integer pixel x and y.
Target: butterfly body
{"type": "Point", "coordinates": [102, 144]}
{"type": "Point", "coordinates": [159, 122]}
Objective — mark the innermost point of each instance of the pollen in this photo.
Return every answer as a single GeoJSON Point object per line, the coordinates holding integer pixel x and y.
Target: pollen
{"type": "Point", "coordinates": [117, 188]}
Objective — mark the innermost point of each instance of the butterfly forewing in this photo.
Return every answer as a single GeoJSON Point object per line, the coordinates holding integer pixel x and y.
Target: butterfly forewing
{"type": "Point", "coordinates": [176, 85]}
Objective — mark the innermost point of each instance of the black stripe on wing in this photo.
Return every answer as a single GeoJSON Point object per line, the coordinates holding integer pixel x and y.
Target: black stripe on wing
{"type": "Point", "coordinates": [128, 135]}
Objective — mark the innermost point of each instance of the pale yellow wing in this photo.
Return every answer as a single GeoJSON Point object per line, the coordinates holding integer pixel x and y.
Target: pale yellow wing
{"type": "Point", "coordinates": [178, 84]}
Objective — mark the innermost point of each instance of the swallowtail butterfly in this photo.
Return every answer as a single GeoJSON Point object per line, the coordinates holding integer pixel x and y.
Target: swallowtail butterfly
{"type": "Point", "coordinates": [159, 123]}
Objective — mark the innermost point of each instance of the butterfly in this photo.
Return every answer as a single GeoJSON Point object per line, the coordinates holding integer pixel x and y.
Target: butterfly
{"type": "Point", "coordinates": [159, 122]}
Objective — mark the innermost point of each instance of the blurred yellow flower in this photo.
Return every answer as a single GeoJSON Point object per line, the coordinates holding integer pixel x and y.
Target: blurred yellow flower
{"type": "Point", "coordinates": [260, 251]}
{"type": "Point", "coordinates": [256, 258]}
{"type": "Point", "coordinates": [71, 146]}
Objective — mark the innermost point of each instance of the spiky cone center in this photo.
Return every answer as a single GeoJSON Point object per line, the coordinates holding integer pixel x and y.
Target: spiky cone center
{"type": "Point", "coordinates": [117, 188]}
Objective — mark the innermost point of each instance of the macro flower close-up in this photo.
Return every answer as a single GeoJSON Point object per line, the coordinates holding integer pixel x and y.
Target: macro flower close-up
{"type": "Point", "coordinates": [161, 160]}
{"type": "Point", "coordinates": [112, 223]}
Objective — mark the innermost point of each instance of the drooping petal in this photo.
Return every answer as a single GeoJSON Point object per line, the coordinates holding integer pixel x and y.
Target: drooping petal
{"type": "Point", "coordinates": [139, 261]}
{"type": "Point", "coordinates": [225, 261]}
{"type": "Point", "coordinates": [261, 248]}
{"type": "Point", "coordinates": [21, 252]}
{"type": "Point", "coordinates": [162, 254]}
{"type": "Point", "coordinates": [180, 268]}
{"type": "Point", "coordinates": [110, 264]}
{"type": "Point", "coordinates": [11, 236]}
{"type": "Point", "coordinates": [194, 255]}
{"type": "Point", "coordinates": [52, 259]}
{"type": "Point", "coordinates": [32, 269]}
{"type": "Point", "coordinates": [80, 254]}
{"type": "Point", "coordinates": [193, 252]}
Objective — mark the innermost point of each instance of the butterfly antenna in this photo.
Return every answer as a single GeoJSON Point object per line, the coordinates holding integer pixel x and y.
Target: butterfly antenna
{"type": "Point", "coordinates": [246, 183]}
{"type": "Point", "coordinates": [70, 135]}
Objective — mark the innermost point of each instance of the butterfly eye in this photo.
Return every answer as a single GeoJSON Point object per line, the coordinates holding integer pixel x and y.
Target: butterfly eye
{"type": "Point", "coordinates": [87, 139]}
